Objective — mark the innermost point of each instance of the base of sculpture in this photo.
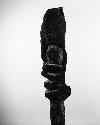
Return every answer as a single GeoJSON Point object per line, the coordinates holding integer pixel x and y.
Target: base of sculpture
{"type": "Point", "coordinates": [57, 113]}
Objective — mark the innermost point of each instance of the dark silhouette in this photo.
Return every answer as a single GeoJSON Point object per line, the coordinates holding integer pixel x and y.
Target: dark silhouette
{"type": "Point", "coordinates": [54, 56]}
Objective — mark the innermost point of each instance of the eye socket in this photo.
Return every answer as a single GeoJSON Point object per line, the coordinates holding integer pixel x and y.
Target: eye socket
{"type": "Point", "coordinates": [54, 54]}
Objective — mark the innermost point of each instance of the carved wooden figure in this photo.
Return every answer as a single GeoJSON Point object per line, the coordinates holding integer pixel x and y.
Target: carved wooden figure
{"type": "Point", "coordinates": [54, 56]}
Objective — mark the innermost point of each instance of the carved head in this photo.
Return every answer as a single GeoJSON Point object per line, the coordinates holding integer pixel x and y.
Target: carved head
{"type": "Point", "coordinates": [52, 33]}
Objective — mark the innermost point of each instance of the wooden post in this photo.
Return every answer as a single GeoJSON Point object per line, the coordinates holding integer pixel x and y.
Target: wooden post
{"type": "Point", "coordinates": [54, 56]}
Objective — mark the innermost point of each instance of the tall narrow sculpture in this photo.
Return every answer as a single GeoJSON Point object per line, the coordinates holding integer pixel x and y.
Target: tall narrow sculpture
{"type": "Point", "coordinates": [54, 56]}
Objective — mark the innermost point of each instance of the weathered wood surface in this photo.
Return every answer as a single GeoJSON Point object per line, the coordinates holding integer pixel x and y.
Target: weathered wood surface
{"type": "Point", "coordinates": [54, 56]}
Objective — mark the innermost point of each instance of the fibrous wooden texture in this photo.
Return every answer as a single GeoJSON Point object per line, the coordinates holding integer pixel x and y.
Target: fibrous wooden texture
{"type": "Point", "coordinates": [54, 58]}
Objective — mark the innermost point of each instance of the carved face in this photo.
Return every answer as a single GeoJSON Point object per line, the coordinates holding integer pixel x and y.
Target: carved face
{"type": "Point", "coordinates": [54, 55]}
